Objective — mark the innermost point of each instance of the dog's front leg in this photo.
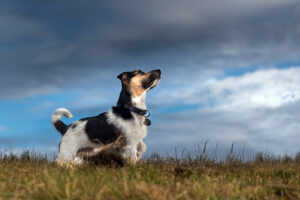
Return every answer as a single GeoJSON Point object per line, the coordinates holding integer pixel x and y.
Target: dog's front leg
{"type": "Point", "coordinates": [130, 153]}
{"type": "Point", "coordinates": [141, 149]}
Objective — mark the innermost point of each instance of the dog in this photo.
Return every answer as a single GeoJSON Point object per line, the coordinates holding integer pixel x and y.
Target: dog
{"type": "Point", "coordinates": [128, 118]}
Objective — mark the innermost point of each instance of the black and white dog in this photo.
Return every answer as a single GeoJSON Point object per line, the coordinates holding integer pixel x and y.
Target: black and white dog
{"type": "Point", "coordinates": [127, 118]}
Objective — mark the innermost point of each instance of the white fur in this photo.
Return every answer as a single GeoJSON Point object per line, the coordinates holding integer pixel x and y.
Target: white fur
{"type": "Point", "coordinates": [73, 140]}
{"type": "Point", "coordinates": [134, 131]}
{"type": "Point", "coordinates": [78, 161]}
{"type": "Point", "coordinates": [57, 115]}
{"type": "Point", "coordinates": [141, 149]}
{"type": "Point", "coordinates": [139, 102]}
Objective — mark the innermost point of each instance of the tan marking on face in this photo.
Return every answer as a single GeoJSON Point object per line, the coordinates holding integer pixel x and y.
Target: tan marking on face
{"type": "Point", "coordinates": [135, 84]}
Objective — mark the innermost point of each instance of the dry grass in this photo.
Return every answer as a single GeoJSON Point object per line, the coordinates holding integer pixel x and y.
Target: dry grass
{"type": "Point", "coordinates": [31, 176]}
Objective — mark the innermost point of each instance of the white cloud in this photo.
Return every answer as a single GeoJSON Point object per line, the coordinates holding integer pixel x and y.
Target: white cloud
{"type": "Point", "coordinates": [260, 109]}
{"type": "Point", "coordinates": [263, 88]}
{"type": "Point", "coordinates": [274, 130]}
{"type": "Point", "coordinates": [268, 88]}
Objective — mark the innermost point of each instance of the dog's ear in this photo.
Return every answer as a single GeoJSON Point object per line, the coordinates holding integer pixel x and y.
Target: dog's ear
{"type": "Point", "coordinates": [120, 76]}
{"type": "Point", "coordinates": [123, 77]}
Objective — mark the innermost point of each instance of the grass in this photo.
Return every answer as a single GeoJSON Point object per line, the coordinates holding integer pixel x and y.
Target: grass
{"type": "Point", "coordinates": [33, 176]}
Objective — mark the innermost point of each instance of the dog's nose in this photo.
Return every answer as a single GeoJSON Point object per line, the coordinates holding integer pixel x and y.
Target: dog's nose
{"type": "Point", "coordinates": [158, 70]}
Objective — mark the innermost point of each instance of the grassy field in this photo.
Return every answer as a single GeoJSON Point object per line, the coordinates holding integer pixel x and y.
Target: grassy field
{"type": "Point", "coordinates": [31, 176]}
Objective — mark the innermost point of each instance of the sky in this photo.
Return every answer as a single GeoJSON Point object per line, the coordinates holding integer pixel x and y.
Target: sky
{"type": "Point", "coordinates": [230, 70]}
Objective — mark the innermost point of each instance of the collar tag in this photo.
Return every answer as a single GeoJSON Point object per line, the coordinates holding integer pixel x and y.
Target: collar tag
{"type": "Point", "coordinates": [147, 121]}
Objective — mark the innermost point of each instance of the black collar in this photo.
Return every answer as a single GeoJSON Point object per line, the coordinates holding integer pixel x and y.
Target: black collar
{"type": "Point", "coordinates": [145, 113]}
{"type": "Point", "coordinates": [137, 110]}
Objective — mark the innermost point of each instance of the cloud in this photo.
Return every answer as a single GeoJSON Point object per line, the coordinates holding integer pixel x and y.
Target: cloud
{"type": "Point", "coordinates": [77, 49]}
{"type": "Point", "coordinates": [268, 88]}
{"type": "Point", "coordinates": [264, 88]}
{"type": "Point", "coordinates": [49, 46]}
{"type": "Point", "coordinates": [259, 109]}
{"type": "Point", "coordinates": [274, 130]}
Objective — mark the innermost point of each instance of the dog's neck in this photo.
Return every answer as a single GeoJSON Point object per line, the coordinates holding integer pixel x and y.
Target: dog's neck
{"type": "Point", "coordinates": [140, 102]}
{"type": "Point", "coordinates": [125, 98]}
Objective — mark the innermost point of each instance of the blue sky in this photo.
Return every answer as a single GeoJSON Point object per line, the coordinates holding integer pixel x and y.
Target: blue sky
{"type": "Point", "coordinates": [231, 70]}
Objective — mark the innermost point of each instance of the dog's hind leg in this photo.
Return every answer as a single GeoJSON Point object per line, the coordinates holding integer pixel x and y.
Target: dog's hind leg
{"type": "Point", "coordinates": [104, 154]}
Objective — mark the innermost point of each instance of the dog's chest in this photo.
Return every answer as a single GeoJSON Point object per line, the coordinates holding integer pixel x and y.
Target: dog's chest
{"type": "Point", "coordinates": [134, 129]}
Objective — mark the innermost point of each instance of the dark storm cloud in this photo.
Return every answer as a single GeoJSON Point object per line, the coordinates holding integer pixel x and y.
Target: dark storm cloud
{"type": "Point", "coordinates": [47, 44]}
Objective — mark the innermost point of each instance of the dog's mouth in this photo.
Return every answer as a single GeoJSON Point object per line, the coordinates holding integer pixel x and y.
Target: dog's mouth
{"type": "Point", "coordinates": [154, 83]}
{"type": "Point", "coordinates": [154, 79]}
{"type": "Point", "coordinates": [151, 82]}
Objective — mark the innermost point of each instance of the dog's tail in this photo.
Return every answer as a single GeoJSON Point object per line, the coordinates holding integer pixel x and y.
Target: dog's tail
{"type": "Point", "coordinates": [56, 119]}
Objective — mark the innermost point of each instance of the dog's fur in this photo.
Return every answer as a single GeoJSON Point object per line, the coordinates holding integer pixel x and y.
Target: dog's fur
{"type": "Point", "coordinates": [94, 134]}
{"type": "Point", "coordinates": [110, 154]}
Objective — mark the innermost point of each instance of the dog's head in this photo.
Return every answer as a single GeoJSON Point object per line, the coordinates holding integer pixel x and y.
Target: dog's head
{"type": "Point", "coordinates": [138, 82]}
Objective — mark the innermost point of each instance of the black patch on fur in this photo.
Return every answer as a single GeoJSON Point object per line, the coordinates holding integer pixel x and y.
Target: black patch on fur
{"type": "Point", "coordinates": [59, 146]}
{"type": "Point", "coordinates": [61, 127]}
{"type": "Point", "coordinates": [122, 112]}
{"type": "Point", "coordinates": [97, 129]}
{"type": "Point", "coordinates": [74, 126]}
{"type": "Point", "coordinates": [124, 99]}
{"type": "Point", "coordinates": [128, 75]}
